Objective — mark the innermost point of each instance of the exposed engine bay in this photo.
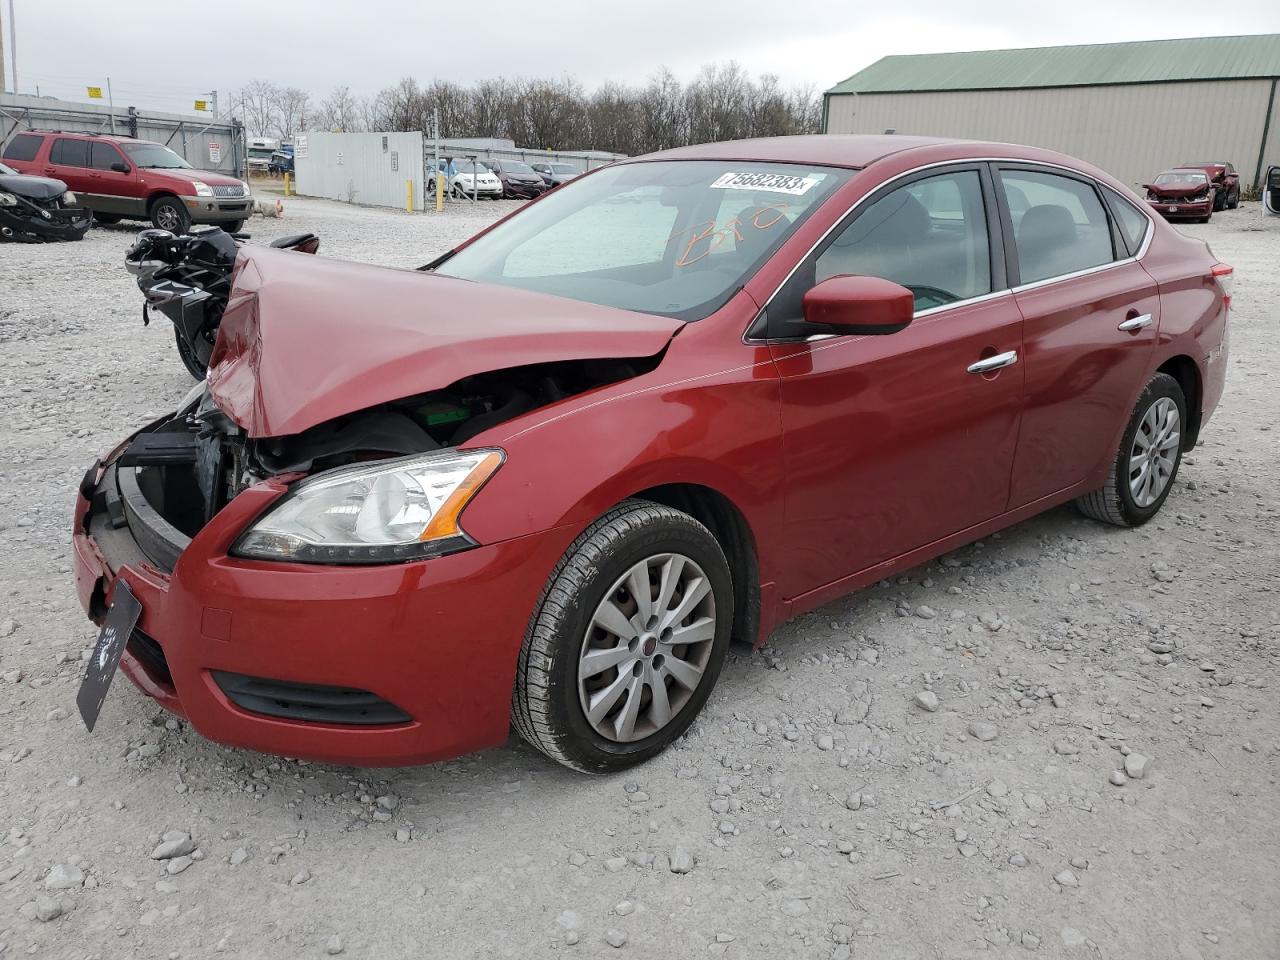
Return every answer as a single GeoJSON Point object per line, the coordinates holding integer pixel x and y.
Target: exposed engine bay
{"type": "Point", "coordinates": [189, 467]}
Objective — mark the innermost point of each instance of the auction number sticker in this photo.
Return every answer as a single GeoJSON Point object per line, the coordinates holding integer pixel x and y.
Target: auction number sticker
{"type": "Point", "coordinates": [770, 182]}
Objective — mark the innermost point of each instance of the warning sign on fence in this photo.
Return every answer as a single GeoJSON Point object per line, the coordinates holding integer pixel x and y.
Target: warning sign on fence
{"type": "Point", "coordinates": [215, 151]}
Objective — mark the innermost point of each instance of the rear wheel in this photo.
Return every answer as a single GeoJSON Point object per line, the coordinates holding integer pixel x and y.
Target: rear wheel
{"type": "Point", "coordinates": [169, 213]}
{"type": "Point", "coordinates": [1147, 461]}
{"type": "Point", "coordinates": [627, 639]}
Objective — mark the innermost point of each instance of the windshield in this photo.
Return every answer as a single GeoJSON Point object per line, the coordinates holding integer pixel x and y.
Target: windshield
{"type": "Point", "coordinates": [675, 238]}
{"type": "Point", "coordinates": [1180, 176]}
{"type": "Point", "coordinates": [511, 167]}
{"type": "Point", "coordinates": [563, 168]}
{"type": "Point", "coordinates": [154, 156]}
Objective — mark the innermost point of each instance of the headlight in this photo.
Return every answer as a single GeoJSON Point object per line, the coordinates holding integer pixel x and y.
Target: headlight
{"type": "Point", "coordinates": [382, 512]}
{"type": "Point", "coordinates": [248, 190]}
{"type": "Point", "coordinates": [202, 189]}
{"type": "Point", "coordinates": [8, 200]}
{"type": "Point", "coordinates": [68, 199]}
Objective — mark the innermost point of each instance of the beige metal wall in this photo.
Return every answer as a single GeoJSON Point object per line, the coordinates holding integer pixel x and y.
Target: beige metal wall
{"type": "Point", "coordinates": [1132, 132]}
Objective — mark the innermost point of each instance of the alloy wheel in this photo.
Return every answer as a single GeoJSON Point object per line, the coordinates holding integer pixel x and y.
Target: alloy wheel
{"type": "Point", "coordinates": [167, 218]}
{"type": "Point", "coordinates": [646, 648]}
{"type": "Point", "coordinates": [1154, 454]}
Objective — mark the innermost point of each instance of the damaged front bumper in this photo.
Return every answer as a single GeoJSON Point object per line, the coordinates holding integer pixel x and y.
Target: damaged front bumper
{"type": "Point", "coordinates": [372, 665]}
{"type": "Point", "coordinates": [30, 222]}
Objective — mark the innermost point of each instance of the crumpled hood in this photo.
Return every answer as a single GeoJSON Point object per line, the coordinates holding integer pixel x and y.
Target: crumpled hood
{"type": "Point", "coordinates": [33, 188]}
{"type": "Point", "coordinates": [1177, 191]}
{"type": "Point", "coordinates": [305, 339]}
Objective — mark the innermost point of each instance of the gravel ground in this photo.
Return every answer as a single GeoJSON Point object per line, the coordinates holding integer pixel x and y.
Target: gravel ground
{"type": "Point", "coordinates": [930, 768]}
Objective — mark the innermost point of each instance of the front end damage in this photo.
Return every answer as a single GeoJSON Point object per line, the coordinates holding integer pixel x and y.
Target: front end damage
{"type": "Point", "coordinates": [37, 219]}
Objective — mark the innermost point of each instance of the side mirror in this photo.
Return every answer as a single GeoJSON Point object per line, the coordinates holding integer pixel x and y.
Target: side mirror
{"type": "Point", "coordinates": [859, 305]}
{"type": "Point", "coordinates": [119, 167]}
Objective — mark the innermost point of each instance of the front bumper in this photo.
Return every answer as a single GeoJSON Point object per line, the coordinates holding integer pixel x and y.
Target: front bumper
{"type": "Point", "coordinates": [1181, 209]}
{"type": "Point", "coordinates": [28, 225]}
{"type": "Point", "coordinates": [218, 209]}
{"type": "Point", "coordinates": [526, 191]}
{"type": "Point", "coordinates": [437, 640]}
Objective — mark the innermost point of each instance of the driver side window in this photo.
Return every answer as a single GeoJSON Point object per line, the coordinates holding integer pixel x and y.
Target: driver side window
{"type": "Point", "coordinates": [930, 236]}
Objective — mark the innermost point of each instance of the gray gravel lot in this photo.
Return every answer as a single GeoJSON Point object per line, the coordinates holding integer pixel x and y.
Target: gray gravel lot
{"type": "Point", "coordinates": [927, 769]}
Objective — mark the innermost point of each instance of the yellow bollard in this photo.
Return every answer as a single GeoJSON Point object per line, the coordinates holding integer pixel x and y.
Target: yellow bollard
{"type": "Point", "coordinates": [408, 196]}
{"type": "Point", "coordinates": [288, 184]}
{"type": "Point", "coordinates": [439, 191]}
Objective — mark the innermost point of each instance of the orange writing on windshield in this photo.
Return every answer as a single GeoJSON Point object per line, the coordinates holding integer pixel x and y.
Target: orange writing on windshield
{"type": "Point", "coordinates": [704, 238]}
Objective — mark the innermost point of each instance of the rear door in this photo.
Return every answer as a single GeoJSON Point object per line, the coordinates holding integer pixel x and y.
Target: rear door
{"type": "Point", "coordinates": [113, 191]}
{"type": "Point", "coordinates": [1092, 315]}
{"type": "Point", "coordinates": [68, 161]}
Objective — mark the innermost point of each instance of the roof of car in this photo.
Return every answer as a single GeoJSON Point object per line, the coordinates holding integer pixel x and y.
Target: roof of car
{"type": "Point", "coordinates": [114, 138]}
{"type": "Point", "coordinates": [845, 150]}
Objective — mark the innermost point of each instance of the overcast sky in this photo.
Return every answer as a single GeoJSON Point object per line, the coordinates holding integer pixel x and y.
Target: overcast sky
{"type": "Point", "coordinates": [162, 54]}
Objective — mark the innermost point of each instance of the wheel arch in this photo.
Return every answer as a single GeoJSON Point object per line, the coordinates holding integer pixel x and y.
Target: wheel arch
{"type": "Point", "coordinates": [1183, 369]}
{"type": "Point", "coordinates": [728, 524]}
{"type": "Point", "coordinates": [162, 193]}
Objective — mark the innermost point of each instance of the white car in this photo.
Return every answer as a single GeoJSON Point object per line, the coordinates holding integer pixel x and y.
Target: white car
{"type": "Point", "coordinates": [482, 182]}
{"type": "Point", "coordinates": [1271, 191]}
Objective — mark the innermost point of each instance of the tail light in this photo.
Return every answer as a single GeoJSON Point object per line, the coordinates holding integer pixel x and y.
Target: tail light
{"type": "Point", "coordinates": [1223, 273]}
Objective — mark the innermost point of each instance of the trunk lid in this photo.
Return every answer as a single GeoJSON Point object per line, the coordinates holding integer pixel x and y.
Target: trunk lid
{"type": "Point", "coordinates": [306, 339]}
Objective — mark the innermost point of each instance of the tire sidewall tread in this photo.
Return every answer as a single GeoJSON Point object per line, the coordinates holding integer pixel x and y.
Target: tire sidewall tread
{"type": "Point", "coordinates": [545, 709]}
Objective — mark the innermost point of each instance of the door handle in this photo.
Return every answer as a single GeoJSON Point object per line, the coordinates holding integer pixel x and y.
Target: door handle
{"type": "Point", "coordinates": [1136, 323]}
{"type": "Point", "coordinates": [1007, 359]}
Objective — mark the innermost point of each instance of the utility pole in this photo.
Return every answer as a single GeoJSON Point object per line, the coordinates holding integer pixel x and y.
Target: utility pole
{"type": "Point", "coordinates": [4, 77]}
{"type": "Point", "coordinates": [13, 48]}
{"type": "Point", "coordinates": [111, 104]}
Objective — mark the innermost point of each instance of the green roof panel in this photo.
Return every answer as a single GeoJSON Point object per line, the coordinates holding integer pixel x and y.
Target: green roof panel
{"type": "Point", "coordinates": [1094, 64]}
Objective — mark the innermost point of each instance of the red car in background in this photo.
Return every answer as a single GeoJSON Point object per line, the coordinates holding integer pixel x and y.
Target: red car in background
{"type": "Point", "coordinates": [688, 396]}
{"type": "Point", "coordinates": [1225, 179]}
{"type": "Point", "coordinates": [1183, 195]}
{"type": "Point", "coordinates": [120, 178]}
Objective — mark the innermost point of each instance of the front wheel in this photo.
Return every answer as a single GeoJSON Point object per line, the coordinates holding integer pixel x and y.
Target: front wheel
{"type": "Point", "coordinates": [169, 213]}
{"type": "Point", "coordinates": [1147, 461]}
{"type": "Point", "coordinates": [189, 358]}
{"type": "Point", "coordinates": [1234, 201]}
{"type": "Point", "coordinates": [232, 226]}
{"type": "Point", "coordinates": [627, 639]}
{"type": "Point", "coordinates": [107, 218]}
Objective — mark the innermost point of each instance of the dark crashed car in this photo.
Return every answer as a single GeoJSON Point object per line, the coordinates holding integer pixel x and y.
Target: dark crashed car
{"type": "Point", "coordinates": [38, 209]}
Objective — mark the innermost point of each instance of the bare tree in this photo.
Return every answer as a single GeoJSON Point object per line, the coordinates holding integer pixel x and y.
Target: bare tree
{"type": "Point", "coordinates": [721, 103]}
{"type": "Point", "coordinates": [258, 100]}
{"type": "Point", "coordinates": [291, 111]}
{"type": "Point", "coordinates": [340, 112]}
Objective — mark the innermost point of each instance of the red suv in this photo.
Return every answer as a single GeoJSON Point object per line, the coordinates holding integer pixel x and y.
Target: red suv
{"type": "Point", "coordinates": [682, 398]}
{"type": "Point", "coordinates": [120, 178]}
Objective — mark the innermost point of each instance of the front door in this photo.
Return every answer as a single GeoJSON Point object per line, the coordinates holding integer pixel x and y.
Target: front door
{"type": "Point", "coordinates": [113, 191]}
{"type": "Point", "coordinates": [893, 442]}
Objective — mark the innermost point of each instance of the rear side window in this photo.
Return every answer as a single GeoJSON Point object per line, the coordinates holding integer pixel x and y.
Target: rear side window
{"type": "Point", "coordinates": [1059, 225]}
{"type": "Point", "coordinates": [103, 155]}
{"type": "Point", "coordinates": [24, 146]}
{"type": "Point", "coordinates": [70, 153]}
{"type": "Point", "coordinates": [1133, 224]}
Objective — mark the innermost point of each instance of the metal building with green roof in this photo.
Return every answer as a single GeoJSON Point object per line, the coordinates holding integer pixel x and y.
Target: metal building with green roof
{"type": "Point", "coordinates": [1131, 108]}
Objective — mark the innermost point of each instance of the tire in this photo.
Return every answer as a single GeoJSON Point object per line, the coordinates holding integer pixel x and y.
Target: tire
{"type": "Point", "coordinates": [1234, 201]}
{"type": "Point", "coordinates": [1116, 502]}
{"type": "Point", "coordinates": [169, 213]}
{"type": "Point", "coordinates": [1219, 200]}
{"type": "Point", "coordinates": [107, 218]}
{"type": "Point", "coordinates": [232, 226]}
{"type": "Point", "coordinates": [549, 702]}
{"type": "Point", "coordinates": [189, 359]}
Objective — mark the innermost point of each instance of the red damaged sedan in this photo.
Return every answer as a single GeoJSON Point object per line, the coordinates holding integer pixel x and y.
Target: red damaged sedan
{"type": "Point", "coordinates": [1182, 195]}
{"type": "Point", "coordinates": [544, 480]}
